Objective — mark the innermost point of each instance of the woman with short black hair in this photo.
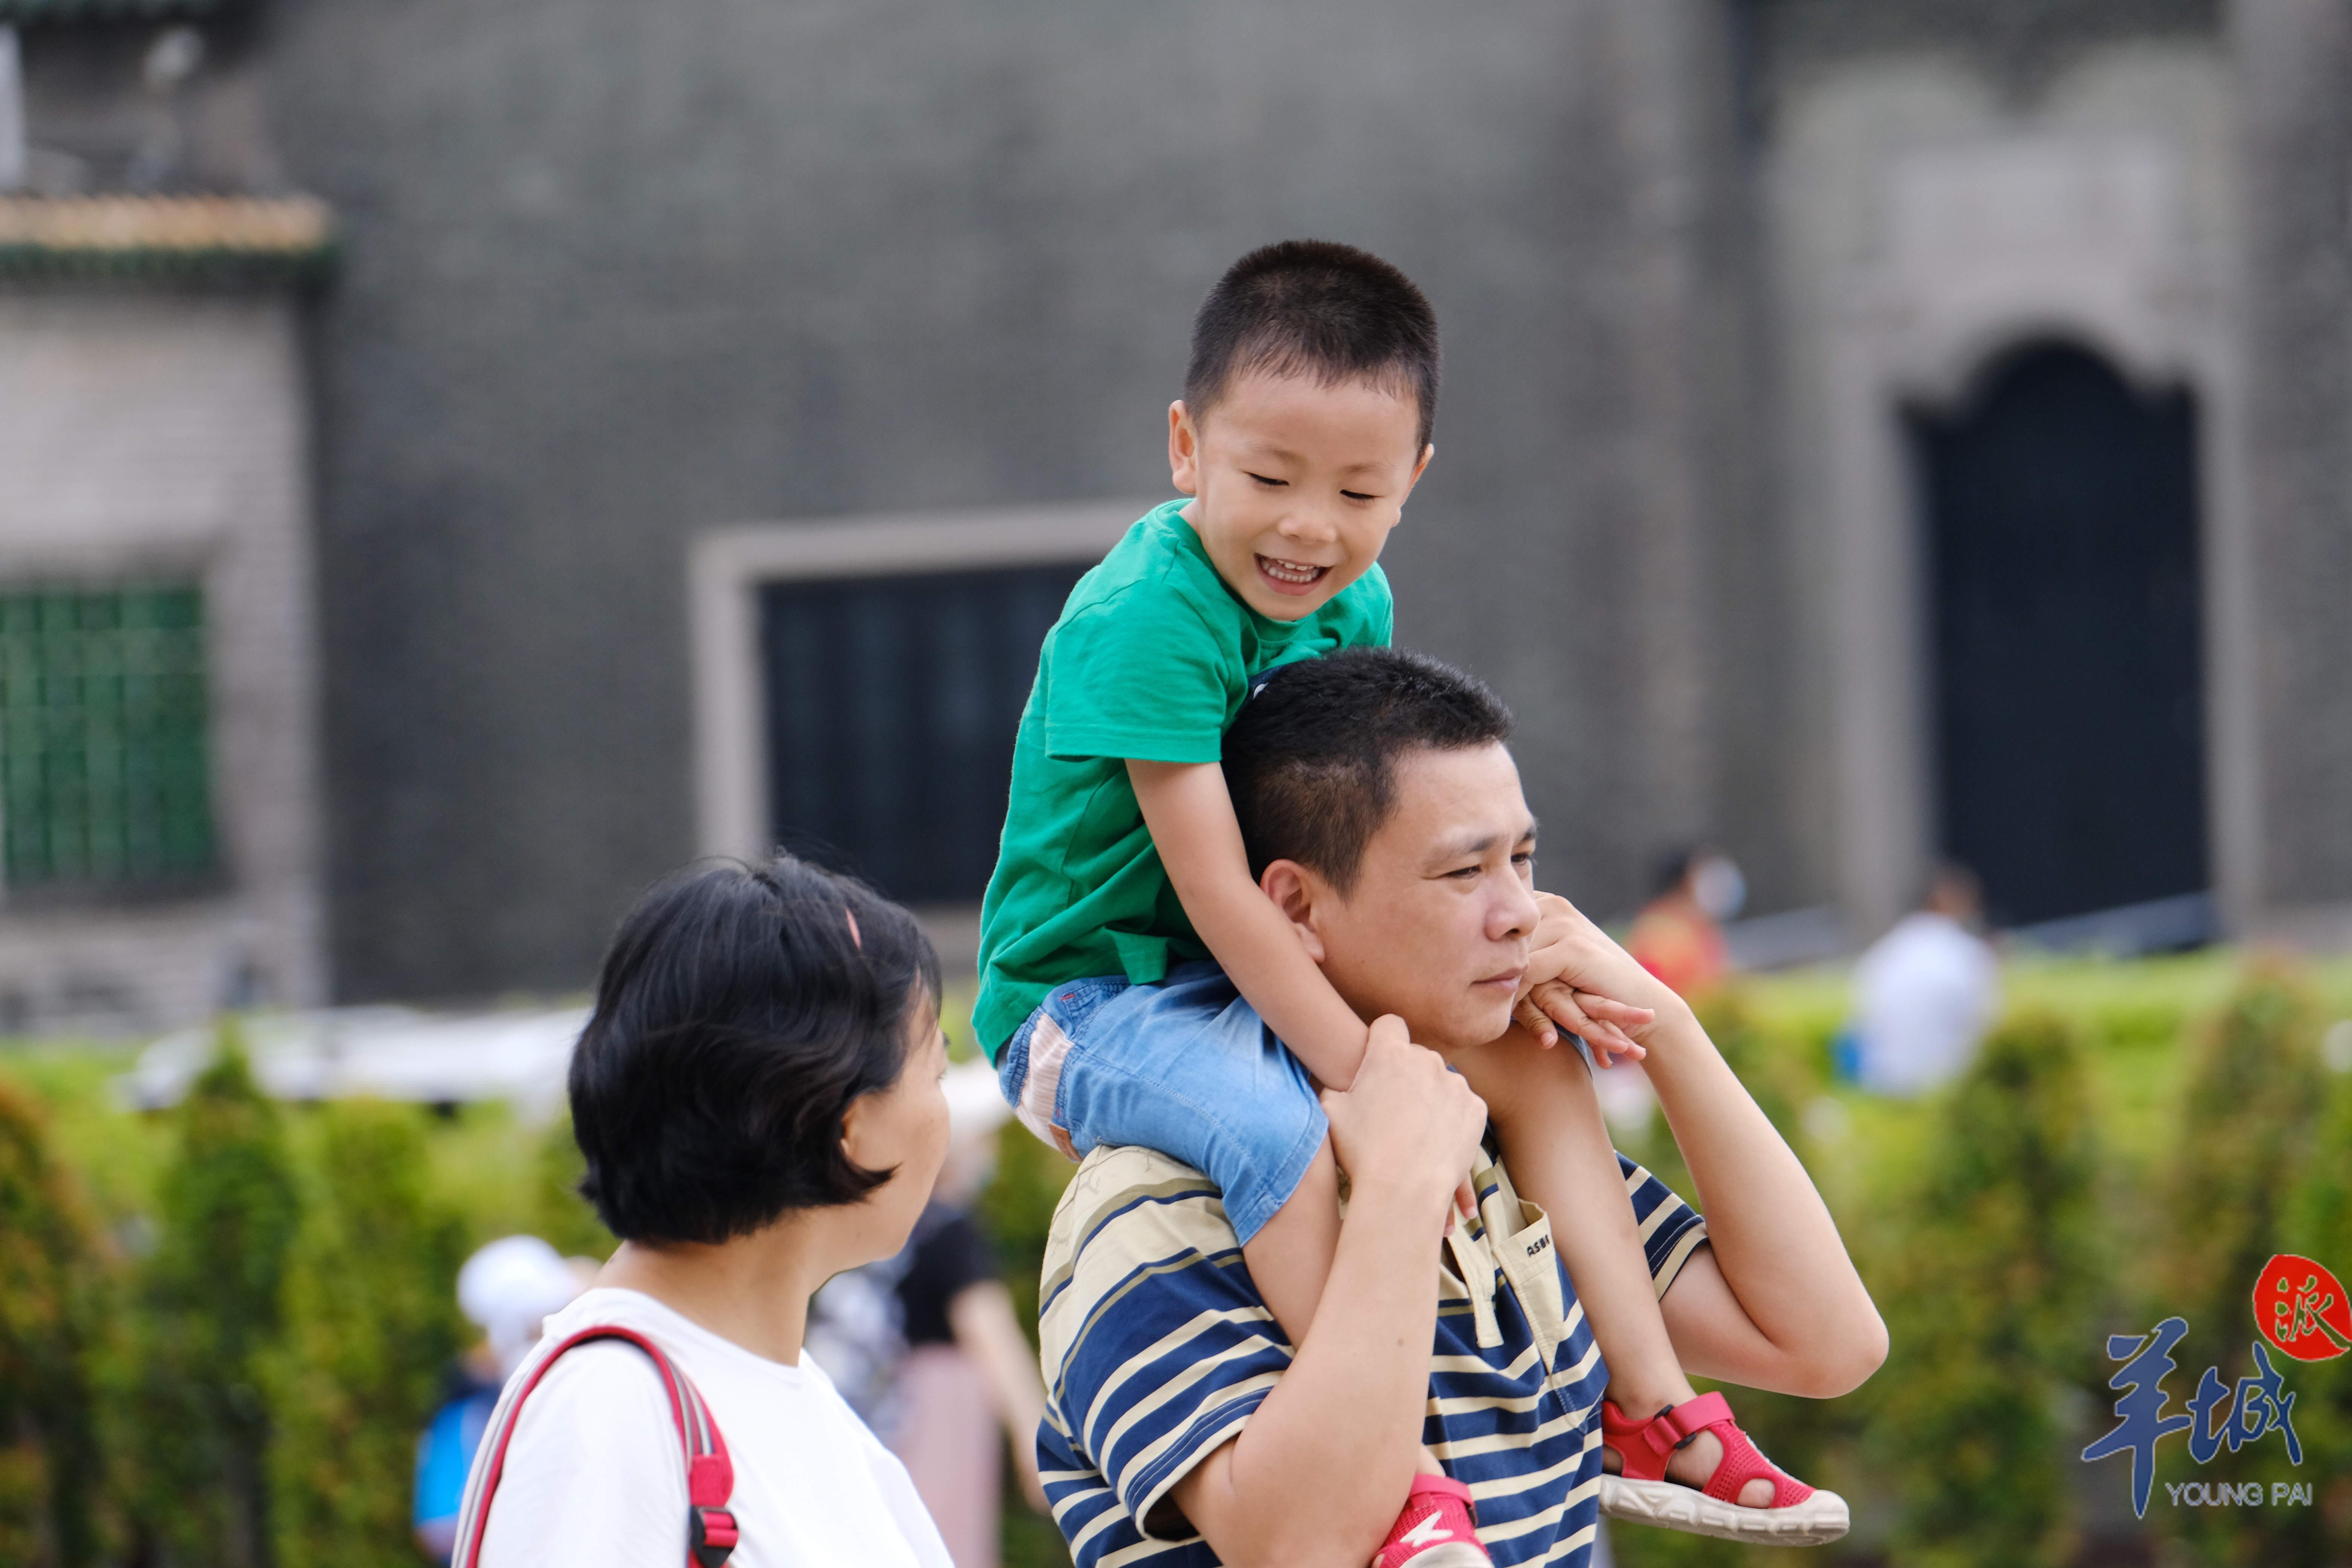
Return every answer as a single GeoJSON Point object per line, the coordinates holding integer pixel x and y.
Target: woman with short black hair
{"type": "Point", "coordinates": [757, 1097]}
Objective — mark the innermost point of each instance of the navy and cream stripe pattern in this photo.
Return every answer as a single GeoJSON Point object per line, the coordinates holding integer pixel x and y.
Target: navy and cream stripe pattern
{"type": "Point", "coordinates": [1157, 1350]}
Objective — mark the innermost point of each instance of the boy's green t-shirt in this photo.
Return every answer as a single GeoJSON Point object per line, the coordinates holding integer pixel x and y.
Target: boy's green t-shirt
{"type": "Point", "coordinates": [1150, 659]}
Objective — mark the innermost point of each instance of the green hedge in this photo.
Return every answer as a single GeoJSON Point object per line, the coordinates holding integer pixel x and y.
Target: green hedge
{"type": "Point", "coordinates": [2134, 1141]}
{"type": "Point", "coordinates": [209, 1311]}
{"type": "Point", "coordinates": [221, 1328]}
{"type": "Point", "coordinates": [226, 1356]}
{"type": "Point", "coordinates": [52, 1309]}
{"type": "Point", "coordinates": [1989, 1266]}
{"type": "Point", "coordinates": [372, 1325]}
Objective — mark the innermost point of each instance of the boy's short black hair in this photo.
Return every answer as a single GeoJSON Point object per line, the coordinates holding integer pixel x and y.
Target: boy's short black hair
{"type": "Point", "coordinates": [1315, 308]}
{"type": "Point", "coordinates": [740, 1010]}
{"type": "Point", "coordinates": [1310, 761]}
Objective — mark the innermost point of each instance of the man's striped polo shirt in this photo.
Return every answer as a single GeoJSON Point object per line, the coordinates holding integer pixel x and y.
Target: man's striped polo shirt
{"type": "Point", "coordinates": [1157, 1350]}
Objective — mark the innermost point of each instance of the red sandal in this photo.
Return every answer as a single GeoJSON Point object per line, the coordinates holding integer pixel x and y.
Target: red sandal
{"type": "Point", "coordinates": [1799, 1515]}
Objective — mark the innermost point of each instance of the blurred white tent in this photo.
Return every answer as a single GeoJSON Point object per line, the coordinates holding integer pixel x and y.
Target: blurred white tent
{"type": "Point", "coordinates": [393, 1053]}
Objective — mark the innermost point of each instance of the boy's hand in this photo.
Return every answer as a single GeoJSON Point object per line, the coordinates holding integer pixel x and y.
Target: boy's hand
{"type": "Point", "coordinates": [1578, 980]}
{"type": "Point", "coordinates": [1607, 1027]}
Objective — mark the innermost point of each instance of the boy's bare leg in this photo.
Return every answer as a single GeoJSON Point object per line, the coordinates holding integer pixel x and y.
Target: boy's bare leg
{"type": "Point", "coordinates": [1557, 1148]}
{"type": "Point", "coordinates": [1290, 1257]}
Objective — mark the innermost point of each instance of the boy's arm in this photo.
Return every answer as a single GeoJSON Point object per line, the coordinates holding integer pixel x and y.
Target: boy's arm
{"type": "Point", "coordinates": [1200, 842]}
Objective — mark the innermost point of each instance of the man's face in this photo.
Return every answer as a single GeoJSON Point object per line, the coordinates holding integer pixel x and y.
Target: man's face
{"type": "Point", "coordinates": [1435, 929]}
{"type": "Point", "coordinates": [1295, 485]}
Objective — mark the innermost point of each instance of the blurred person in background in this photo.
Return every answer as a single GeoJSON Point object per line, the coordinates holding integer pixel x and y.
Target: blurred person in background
{"type": "Point", "coordinates": [507, 1289]}
{"type": "Point", "coordinates": [1678, 935]}
{"type": "Point", "coordinates": [928, 1349]}
{"type": "Point", "coordinates": [969, 1371]}
{"type": "Point", "coordinates": [1924, 992]}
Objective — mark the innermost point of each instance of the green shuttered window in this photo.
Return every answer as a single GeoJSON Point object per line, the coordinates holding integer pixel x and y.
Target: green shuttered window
{"type": "Point", "coordinates": [104, 771]}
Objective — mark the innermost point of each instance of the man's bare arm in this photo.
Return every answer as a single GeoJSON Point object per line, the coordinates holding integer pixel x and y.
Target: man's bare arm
{"type": "Point", "coordinates": [1317, 1475]}
{"type": "Point", "coordinates": [1773, 1302]}
{"type": "Point", "coordinates": [1713, 1337]}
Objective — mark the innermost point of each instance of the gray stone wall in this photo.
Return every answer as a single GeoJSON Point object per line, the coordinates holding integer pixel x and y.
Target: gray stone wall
{"type": "Point", "coordinates": [146, 434]}
{"type": "Point", "coordinates": [1924, 222]}
{"type": "Point", "coordinates": [2295, 62]}
{"type": "Point", "coordinates": [614, 274]}
{"type": "Point", "coordinates": [2247, 100]}
{"type": "Point", "coordinates": [2020, 46]}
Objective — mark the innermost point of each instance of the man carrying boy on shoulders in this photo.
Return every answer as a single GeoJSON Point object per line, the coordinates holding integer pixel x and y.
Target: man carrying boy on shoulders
{"type": "Point", "coordinates": [1383, 817]}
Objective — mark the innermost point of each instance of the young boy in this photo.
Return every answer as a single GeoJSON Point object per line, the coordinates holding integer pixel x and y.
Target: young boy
{"type": "Point", "coordinates": [1136, 987]}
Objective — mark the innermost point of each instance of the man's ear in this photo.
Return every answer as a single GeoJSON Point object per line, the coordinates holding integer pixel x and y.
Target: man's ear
{"type": "Point", "coordinates": [1295, 890]}
{"type": "Point", "coordinates": [1183, 450]}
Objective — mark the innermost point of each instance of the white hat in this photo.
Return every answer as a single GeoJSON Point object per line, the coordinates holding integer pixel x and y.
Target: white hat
{"type": "Point", "coordinates": [509, 1288]}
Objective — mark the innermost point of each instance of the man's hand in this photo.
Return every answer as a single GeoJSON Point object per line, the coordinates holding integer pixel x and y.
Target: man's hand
{"type": "Point", "coordinates": [1408, 1129]}
{"type": "Point", "coordinates": [1581, 980]}
{"type": "Point", "coordinates": [1315, 1476]}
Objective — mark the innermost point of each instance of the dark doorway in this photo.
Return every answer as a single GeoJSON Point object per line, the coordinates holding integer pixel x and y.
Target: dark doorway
{"type": "Point", "coordinates": [891, 706]}
{"type": "Point", "coordinates": [2062, 520]}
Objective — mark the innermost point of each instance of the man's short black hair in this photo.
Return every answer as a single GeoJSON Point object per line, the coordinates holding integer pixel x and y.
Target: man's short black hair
{"type": "Point", "coordinates": [740, 1010]}
{"type": "Point", "coordinates": [1315, 308]}
{"type": "Point", "coordinates": [1310, 761]}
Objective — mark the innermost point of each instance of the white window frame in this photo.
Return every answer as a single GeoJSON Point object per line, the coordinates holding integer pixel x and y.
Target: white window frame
{"type": "Point", "coordinates": [728, 566]}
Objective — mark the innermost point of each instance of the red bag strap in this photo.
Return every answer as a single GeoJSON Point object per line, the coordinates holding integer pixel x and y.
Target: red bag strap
{"type": "Point", "coordinates": [709, 1474]}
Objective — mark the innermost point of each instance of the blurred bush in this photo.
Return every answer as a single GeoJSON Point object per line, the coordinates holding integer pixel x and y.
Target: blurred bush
{"type": "Point", "coordinates": [2253, 1095]}
{"type": "Point", "coordinates": [220, 1331]}
{"type": "Point", "coordinates": [209, 1311]}
{"type": "Point", "coordinates": [53, 1316]}
{"type": "Point", "coordinates": [2134, 1139]}
{"type": "Point", "coordinates": [371, 1328]}
{"type": "Point", "coordinates": [560, 1215]}
{"type": "Point", "coordinates": [1992, 1265]}
{"type": "Point", "coordinates": [2318, 1225]}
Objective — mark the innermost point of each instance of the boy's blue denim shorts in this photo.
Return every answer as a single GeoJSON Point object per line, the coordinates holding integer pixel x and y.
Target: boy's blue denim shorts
{"type": "Point", "coordinates": [1184, 1066]}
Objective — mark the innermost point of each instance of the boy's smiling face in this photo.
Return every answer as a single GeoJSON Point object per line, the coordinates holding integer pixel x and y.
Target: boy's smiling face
{"type": "Point", "coordinates": [1295, 485]}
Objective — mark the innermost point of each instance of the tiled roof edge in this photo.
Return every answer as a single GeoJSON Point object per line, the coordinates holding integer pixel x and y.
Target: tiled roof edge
{"type": "Point", "coordinates": [283, 239]}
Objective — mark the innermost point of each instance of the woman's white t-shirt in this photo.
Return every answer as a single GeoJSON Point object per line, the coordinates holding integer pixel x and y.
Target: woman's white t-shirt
{"type": "Point", "coordinates": [595, 1479]}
